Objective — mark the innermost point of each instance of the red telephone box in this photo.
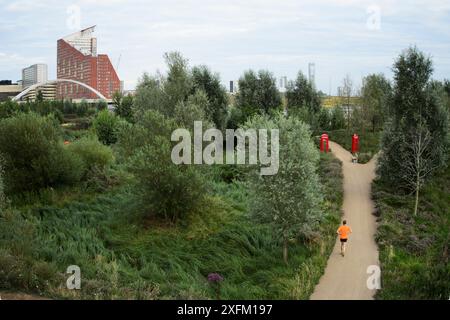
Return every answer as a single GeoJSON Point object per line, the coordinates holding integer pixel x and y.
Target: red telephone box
{"type": "Point", "coordinates": [355, 143]}
{"type": "Point", "coordinates": [324, 145]}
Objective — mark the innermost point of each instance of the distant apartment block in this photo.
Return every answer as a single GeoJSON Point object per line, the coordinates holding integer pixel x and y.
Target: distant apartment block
{"type": "Point", "coordinates": [37, 73]}
{"type": "Point", "coordinates": [8, 89]}
{"type": "Point", "coordinates": [77, 59]}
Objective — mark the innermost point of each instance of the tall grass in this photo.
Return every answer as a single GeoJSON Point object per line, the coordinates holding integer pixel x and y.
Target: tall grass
{"type": "Point", "coordinates": [121, 257]}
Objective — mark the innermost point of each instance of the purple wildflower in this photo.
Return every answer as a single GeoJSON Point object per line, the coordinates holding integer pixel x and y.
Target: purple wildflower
{"type": "Point", "coordinates": [214, 277]}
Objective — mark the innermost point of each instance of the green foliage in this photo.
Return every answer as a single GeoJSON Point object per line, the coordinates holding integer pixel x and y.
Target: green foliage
{"type": "Point", "coordinates": [236, 117]}
{"type": "Point", "coordinates": [149, 96]}
{"type": "Point", "coordinates": [105, 126]}
{"type": "Point", "coordinates": [43, 161]}
{"type": "Point", "coordinates": [194, 109]}
{"type": "Point", "coordinates": [169, 191]}
{"type": "Point", "coordinates": [123, 106]}
{"type": "Point", "coordinates": [324, 119]}
{"type": "Point", "coordinates": [130, 137]}
{"type": "Point", "coordinates": [94, 154]}
{"type": "Point", "coordinates": [2, 188]}
{"type": "Point", "coordinates": [177, 86]}
{"type": "Point", "coordinates": [414, 249]}
{"type": "Point", "coordinates": [375, 93]}
{"type": "Point", "coordinates": [289, 200]}
{"type": "Point", "coordinates": [302, 94]}
{"type": "Point", "coordinates": [58, 108]}
{"type": "Point", "coordinates": [258, 94]}
{"type": "Point", "coordinates": [133, 137]}
{"type": "Point", "coordinates": [337, 118]}
{"type": "Point", "coordinates": [216, 109]}
{"type": "Point", "coordinates": [415, 103]}
{"type": "Point", "coordinates": [8, 108]}
{"type": "Point", "coordinates": [183, 87]}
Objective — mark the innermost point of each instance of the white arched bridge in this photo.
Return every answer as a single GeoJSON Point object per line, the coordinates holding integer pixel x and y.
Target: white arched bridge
{"type": "Point", "coordinates": [37, 85]}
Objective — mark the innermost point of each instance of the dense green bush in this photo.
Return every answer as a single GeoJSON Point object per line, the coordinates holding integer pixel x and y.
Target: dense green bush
{"type": "Point", "coordinates": [123, 105]}
{"type": "Point", "coordinates": [7, 109]}
{"type": "Point", "coordinates": [337, 120]}
{"type": "Point", "coordinates": [93, 153]}
{"type": "Point", "coordinates": [169, 191]}
{"type": "Point", "coordinates": [33, 154]}
{"type": "Point", "coordinates": [106, 125]}
{"type": "Point", "coordinates": [132, 137]}
{"type": "Point", "coordinates": [258, 94]}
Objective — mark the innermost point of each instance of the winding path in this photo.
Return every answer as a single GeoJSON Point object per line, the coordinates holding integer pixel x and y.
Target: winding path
{"type": "Point", "coordinates": [346, 278]}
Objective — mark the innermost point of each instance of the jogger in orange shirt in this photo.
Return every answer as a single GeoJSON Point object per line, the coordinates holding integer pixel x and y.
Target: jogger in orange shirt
{"type": "Point", "coordinates": [343, 233]}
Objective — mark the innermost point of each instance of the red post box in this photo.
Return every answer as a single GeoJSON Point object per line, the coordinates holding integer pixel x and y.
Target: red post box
{"type": "Point", "coordinates": [355, 143]}
{"type": "Point", "coordinates": [324, 145]}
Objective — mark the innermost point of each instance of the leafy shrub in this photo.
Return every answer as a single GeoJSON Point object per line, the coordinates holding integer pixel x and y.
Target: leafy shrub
{"type": "Point", "coordinates": [33, 154]}
{"type": "Point", "coordinates": [169, 191]}
{"type": "Point", "coordinates": [123, 106]}
{"type": "Point", "coordinates": [92, 153]}
{"type": "Point", "coordinates": [364, 157]}
{"type": "Point", "coordinates": [7, 109]}
{"type": "Point", "coordinates": [337, 119]}
{"type": "Point", "coordinates": [132, 137]}
{"type": "Point", "coordinates": [105, 125]}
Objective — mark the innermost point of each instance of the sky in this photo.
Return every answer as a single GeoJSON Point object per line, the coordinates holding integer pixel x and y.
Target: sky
{"type": "Point", "coordinates": [354, 37]}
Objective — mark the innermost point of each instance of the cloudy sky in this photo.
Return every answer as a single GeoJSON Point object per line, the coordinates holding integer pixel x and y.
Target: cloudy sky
{"type": "Point", "coordinates": [355, 37]}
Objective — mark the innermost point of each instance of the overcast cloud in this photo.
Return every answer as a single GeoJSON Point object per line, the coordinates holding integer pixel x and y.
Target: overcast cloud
{"type": "Point", "coordinates": [231, 36]}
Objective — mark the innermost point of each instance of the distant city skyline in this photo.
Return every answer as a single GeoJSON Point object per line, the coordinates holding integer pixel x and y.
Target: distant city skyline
{"type": "Point", "coordinates": [352, 37]}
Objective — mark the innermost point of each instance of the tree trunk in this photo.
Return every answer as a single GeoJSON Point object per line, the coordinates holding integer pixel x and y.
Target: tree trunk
{"type": "Point", "coordinates": [416, 204]}
{"type": "Point", "coordinates": [285, 251]}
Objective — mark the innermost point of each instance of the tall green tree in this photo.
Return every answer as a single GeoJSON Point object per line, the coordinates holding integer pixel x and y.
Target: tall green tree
{"type": "Point", "coordinates": [258, 94]}
{"type": "Point", "coordinates": [337, 118]}
{"type": "Point", "coordinates": [291, 199]}
{"type": "Point", "coordinates": [302, 94]}
{"type": "Point", "coordinates": [208, 82]}
{"type": "Point", "coordinates": [149, 96]}
{"type": "Point", "coordinates": [178, 83]}
{"type": "Point", "coordinates": [123, 105]}
{"type": "Point", "coordinates": [417, 116]}
{"type": "Point", "coordinates": [375, 93]}
{"type": "Point", "coordinates": [163, 93]}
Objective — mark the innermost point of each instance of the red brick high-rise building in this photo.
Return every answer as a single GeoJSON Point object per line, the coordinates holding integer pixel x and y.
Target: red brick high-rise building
{"type": "Point", "coordinates": [77, 59]}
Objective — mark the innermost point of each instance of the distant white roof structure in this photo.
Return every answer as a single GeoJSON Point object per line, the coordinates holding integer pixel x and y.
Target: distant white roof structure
{"type": "Point", "coordinates": [83, 41]}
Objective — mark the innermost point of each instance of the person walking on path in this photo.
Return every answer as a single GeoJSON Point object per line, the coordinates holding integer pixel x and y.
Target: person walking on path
{"type": "Point", "coordinates": [343, 232]}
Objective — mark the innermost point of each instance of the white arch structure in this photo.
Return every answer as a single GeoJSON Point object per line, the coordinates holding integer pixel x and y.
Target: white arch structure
{"type": "Point", "coordinates": [37, 85]}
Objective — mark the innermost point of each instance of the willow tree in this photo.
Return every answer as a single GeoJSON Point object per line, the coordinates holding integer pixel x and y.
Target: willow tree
{"type": "Point", "coordinates": [290, 200]}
